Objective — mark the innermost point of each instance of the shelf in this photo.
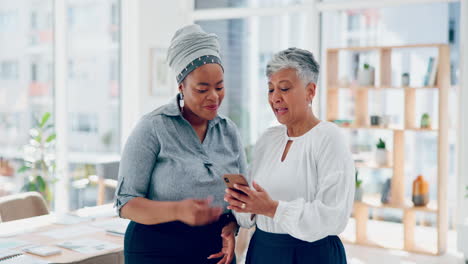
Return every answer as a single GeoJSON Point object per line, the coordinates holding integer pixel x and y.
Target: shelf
{"type": "Point", "coordinates": [371, 165]}
{"type": "Point", "coordinates": [389, 235]}
{"type": "Point", "coordinates": [372, 48]}
{"type": "Point", "coordinates": [373, 201]}
{"type": "Point", "coordinates": [388, 128]}
{"type": "Point", "coordinates": [357, 87]}
{"type": "Point", "coordinates": [423, 129]}
{"type": "Point", "coordinates": [386, 235]}
{"type": "Point", "coordinates": [368, 127]}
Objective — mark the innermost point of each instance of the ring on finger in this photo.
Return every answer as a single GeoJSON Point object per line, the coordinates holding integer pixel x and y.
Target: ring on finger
{"type": "Point", "coordinates": [243, 205]}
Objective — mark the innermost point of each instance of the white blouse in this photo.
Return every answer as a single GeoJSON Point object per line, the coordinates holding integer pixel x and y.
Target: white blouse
{"type": "Point", "coordinates": [314, 184]}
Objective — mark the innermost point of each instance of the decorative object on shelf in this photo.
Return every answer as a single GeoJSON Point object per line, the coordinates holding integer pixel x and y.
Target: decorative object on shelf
{"type": "Point", "coordinates": [375, 120]}
{"type": "Point", "coordinates": [420, 191]}
{"type": "Point", "coordinates": [5, 168]}
{"type": "Point", "coordinates": [342, 122]}
{"type": "Point", "coordinates": [386, 191]}
{"type": "Point", "coordinates": [425, 121]}
{"type": "Point", "coordinates": [405, 79]}
{"type": "Point", "coordinates": [385, 120]}
{"type": "Point", "coordinates": [381, 153]}
{"type": "Point", "coordinates": [430, 77]}
{"type": "Point", "coordinates": [39, 158]}
{"type": "Point", "coordinates": [366, 75]}
{"type": "Point", "coordinates": [359, 191]}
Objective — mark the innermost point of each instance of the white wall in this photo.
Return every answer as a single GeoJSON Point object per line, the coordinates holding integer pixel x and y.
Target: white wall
{"type": "Point", "coordinates": [145, 24]}
{"type": "Point", "coordinates": [463, 124]}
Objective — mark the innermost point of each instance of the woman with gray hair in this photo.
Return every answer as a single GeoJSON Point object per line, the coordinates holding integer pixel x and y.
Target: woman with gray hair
{"type": "Point", "coordinates": [302, 174]}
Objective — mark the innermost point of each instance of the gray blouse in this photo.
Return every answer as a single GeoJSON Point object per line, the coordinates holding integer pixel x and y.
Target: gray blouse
{"type": "Point", "coordinates": [164, 160]}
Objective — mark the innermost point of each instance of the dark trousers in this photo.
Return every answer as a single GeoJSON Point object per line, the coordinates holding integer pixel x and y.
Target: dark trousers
{"type": "Point", "coordinates": [171, 243]}
{"type": "Point", "coordinates": [284, 249]}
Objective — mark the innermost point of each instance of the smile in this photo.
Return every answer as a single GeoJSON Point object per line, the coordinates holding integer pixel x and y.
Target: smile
{"type": "Point", "coordinates": [281, 111]}
{"type": "Point", "coordinates": [212, 107]}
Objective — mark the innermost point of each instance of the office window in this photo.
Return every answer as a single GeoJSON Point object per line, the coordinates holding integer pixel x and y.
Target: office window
{"type": "Point", "coordinates": [92, 81]}
{"type": "Point", "coordinates": [209, 4]}
{"type": "Point", "coordinates": [9, 70]}
{"type": "Point", "coordinates": [9, 18]}
{"type": "Point", "coordinates": [93, 74]}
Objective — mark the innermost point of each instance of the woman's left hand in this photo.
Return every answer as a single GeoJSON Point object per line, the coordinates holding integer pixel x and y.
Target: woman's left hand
{"type": "Point", "coordinates": [229, 244]}
{"type": "Point", "coordinates": [255, 201]}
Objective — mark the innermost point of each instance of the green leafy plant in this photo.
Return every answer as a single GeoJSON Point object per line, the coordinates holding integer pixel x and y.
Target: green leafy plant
{"type": "Point", "coordinates": [381, 144]}
{"type": "Point", "coordinates": [39, 158]}
{"type": "Point", "coordinates": [358, 181]}
{"type": "Point", "coordinates": [466, 188]}
{"type": "Point", "coordinates": [366, 66]}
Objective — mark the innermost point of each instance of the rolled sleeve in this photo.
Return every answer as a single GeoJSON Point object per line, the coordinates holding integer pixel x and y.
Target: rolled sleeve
{"type": "Point", "coordinates": [137, 163]}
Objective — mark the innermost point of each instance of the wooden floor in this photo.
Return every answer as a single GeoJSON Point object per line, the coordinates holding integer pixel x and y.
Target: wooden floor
{"type": "Point", "coordinates": [370, 255]}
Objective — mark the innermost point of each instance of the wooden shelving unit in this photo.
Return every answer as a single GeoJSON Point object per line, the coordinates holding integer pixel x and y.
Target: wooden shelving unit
{"type": "Point", "coordinates": [362, 232]}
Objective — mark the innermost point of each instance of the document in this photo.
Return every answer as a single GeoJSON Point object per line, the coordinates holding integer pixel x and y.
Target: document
{"type": "Point", "coordinates": [88, 246]}
{"type": "Point", "coordinates": [69, 232]}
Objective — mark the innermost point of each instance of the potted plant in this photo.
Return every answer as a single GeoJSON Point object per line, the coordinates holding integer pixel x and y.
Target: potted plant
{"type": "Point", "coordinates": [359, 190]}
{"type": "Point", "coordinates": [366, 75]}
{"type": "Point", "coordinates": [425, 121]}
{"type": "Point", "coordinates": [381, 154]}
{"type": "Point", "coordinates": [39, 158]}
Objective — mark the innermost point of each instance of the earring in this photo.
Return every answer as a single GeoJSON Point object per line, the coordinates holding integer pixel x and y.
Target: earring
{"type": "Point", "coordinates": [181, 100]}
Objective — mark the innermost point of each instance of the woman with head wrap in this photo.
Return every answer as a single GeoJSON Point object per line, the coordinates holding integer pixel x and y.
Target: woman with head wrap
{"type": "Point", "coordinates": [170, 176]}
{"type": "Point", "coordinates": [302, 174]}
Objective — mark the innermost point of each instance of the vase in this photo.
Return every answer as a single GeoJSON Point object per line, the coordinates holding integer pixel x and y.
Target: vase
{"type": "Point", "coordinates": [386, 191]}
{"type": "Point", "coordinates": [420, 191]}
{"type": "Point", "coordinates": [366, 76]}
{"type": "Point", "coordinates": [358, 194]}
{"type": "Point", "coordinates": [381, 157]}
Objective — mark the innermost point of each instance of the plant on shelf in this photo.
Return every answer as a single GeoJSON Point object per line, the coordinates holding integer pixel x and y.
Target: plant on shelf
{"type": "Point", "coordinates": [425, 121]}
{"type": "Point", "coordinates": [39, 158]}
{"type": "Point", "coordinates": [381, 154]}
{"type": "Point", "coordinates": [366, 75]}
{"type": "Point", "coordinates": [359, 191]}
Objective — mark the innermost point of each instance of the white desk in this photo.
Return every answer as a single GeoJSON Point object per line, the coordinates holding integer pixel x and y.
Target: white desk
{"type": "Point", "coordinates": [29, 230]}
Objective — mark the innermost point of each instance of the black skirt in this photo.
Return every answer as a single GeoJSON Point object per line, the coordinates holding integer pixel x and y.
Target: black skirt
{"type": "Point", "coordinates": [171, 243]}
{"type": "Point", "coordinates": [272, 248]}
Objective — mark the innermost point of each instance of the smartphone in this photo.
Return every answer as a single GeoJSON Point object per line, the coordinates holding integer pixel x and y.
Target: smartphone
{"type": "Point", "coordinates": [231, 179]}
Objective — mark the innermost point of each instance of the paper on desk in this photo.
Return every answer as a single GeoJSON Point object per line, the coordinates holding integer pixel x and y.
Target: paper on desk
{"type": "Point", "coordinates": [88, 246]}
{"type": "Point", "coordinates": [114, 226]}
{"type": "Point", "coordinates": [114, 223]}
{"type": "Point", "coordinates": [10, 243]}
{"type": "Point", "coordinates": [97, 212]}
{"type": "Point", "coordinates": [24, 259]}
{"type": "Point", "coordinates": [68, 219]}
{"type": "Point", "coordinates": [69, 232]}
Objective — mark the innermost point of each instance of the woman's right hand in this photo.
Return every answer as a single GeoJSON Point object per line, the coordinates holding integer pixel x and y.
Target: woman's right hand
{"type": "Point", "coordinates": [197, 212]}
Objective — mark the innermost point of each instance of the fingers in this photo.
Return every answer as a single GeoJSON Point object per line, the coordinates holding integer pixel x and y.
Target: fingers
{"type": "Point", "coordinates": [237, 195]}
{"type": "Point", "coordinates": [223, 261]}
{"type": "Point", "coordinates": [244, 188]}
{"type": "Point", "coordinates": [238, 209]}
{"type": "Point", "coordinates": [236, 203]}
{"type": "Point", "coordinates": [217, 255]}
{"type": "Point", "coordinates": [257, 187]}
{"type": "Point", "coordinates": [229, 258]}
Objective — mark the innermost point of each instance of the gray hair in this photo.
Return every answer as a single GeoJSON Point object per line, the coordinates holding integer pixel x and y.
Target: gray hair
{"type": "Point", "coordinates": [302, 61]}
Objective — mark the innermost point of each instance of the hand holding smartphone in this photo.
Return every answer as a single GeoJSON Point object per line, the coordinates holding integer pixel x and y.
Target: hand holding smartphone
{"type": "Point", "coordinates": [231, 179]}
